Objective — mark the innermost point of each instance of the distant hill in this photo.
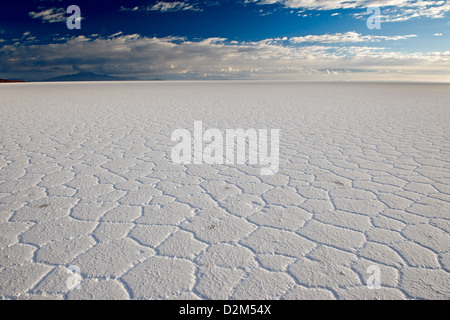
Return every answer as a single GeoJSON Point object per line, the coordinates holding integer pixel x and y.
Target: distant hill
{"type": "Point", "coordinates": [90, 76]}
{"type": "Point", "coordinates": [10, 81]}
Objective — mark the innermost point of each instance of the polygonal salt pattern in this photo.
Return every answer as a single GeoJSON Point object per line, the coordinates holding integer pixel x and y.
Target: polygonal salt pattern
{"type": "Point", "coordinates": [86, 180]}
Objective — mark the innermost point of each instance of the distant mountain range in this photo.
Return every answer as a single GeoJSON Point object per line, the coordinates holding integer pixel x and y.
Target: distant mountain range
{"type": "Point", "coordinates": [83, 76]}
{"type": "Point", "coordinates": [90, 76]}
{"type": "Point", "coordinates": [10, 81]}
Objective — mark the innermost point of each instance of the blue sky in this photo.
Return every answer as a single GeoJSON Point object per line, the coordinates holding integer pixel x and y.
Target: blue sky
{"type": "Point", "coordinates": [228, 39]}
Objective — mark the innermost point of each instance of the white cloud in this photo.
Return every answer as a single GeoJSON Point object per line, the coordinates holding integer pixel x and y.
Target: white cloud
{"type": "Point", "coordinates": [421, 10]}
{"type": "Point", "coordinates": [172, 6]}
{"type": "Point", "coordinates": [113, 35]}
{"type": "Point", "coordinates": [164, 6]}
{"type": "Point", "coordinates": [352, 37]}
{"type": "Point", "coordinates": [348, 4]}
{"type": "Point", "coordinates": [123, 8]}
{"type": "Point", "coordinates": [177, 58]}
{"type": "Point", "coordinates": [392, 10]}
{"type": "Point", "coordinates": [50, 15]}
{"type": "Point", "coordinates": [438, 34]}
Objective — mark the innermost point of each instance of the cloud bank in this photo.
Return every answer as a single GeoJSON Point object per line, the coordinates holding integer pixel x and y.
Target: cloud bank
{"type": "Point", "coordinates": [218, 58]}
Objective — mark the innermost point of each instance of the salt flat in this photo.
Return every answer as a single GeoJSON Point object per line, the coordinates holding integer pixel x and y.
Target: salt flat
{"type": "Point", "coordinates": [86, 180]}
